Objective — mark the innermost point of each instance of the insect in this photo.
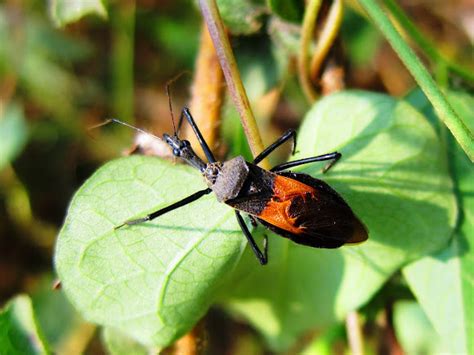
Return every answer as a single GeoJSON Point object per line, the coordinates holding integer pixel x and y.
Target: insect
{"type": "Point", "coordinates": [293, 205]}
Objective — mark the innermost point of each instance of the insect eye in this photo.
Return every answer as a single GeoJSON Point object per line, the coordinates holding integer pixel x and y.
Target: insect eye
{"type": "Point", "coordinates": [176, 152]}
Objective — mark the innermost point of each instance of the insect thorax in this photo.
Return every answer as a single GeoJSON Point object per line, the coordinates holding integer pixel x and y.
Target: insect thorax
{"type": "Point", "coordinates": [226, 179]}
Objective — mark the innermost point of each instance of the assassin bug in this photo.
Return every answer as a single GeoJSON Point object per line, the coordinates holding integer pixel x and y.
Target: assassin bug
{"type": "Point", "coordinates": [293, 205]}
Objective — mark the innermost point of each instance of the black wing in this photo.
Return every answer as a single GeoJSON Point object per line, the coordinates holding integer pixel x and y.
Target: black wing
{"type": "Point", "coordinates": [325, 220]}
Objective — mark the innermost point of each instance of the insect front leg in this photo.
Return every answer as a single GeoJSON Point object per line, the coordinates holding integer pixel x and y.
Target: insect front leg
{"type": "Point", "coordinates": [202, 142]}
{"type": "Point", "coordinates": [335, 156]}
{"type": "Point", "coordinates": [291, 133]}
{"type": "Point", "coordinates": [262, 257]}
{"type": "Point", "coordinates": [167, 209]}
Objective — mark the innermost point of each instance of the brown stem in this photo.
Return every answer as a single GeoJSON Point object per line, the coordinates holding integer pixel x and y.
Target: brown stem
{"type": "Point", "coordinates": [207, 94]}
{"type": "Point", "coordinates": [327, 37]}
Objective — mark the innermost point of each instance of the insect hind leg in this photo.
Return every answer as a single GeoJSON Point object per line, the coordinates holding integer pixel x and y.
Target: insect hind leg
{"type": "Point", "coordinates": [191, 198]}
{"type": "Point", "coordinates": [262, 257]}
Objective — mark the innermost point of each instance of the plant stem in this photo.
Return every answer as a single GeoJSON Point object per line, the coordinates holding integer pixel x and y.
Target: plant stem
{"type": "Point", "coordinates": [307, 33]}
{"type": "Point", "coordinates": [206, 94]}
{"type": "Point", "coordinates": [422, 77]}
{"type": "Point", "coordinates": [424, 43]}
{"type": "Point", "coordinates": [327, 37]}
{"type": "Point", "coordinates": [123, 24]}
{"type": "Point", "coordinates": [229, 67]}
{"type": "Point", "coordinates": [354, 333]}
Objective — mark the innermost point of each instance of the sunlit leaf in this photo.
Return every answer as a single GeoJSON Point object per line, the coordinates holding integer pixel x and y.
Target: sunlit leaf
{"type": "Point", "coordinates": [393, 174]}
{"type": "Point", "coordinates": [151, 281]}
{"type": "Point", "coordinates": [444, 282]}
{"type": "Point", "coordinates": [413, 330]}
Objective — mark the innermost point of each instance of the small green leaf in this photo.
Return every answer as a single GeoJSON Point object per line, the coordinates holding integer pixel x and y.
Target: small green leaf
{"type": "Point", "coordinates": [54, 314]}
{"type": "Point", "coordinates": [19, 332]}
{"type": "Point", "coordinates": [241, 17]}
{"type": "Point", "coordinates": [361, 39]}
{"type": "Point", "coordinates": [393, 174]}
{"type": "Point", "coordinates": [63, 12]}
{"type": "Point", "coordinates": [12, 133]}
{"type": "Point", "coordinates": [446, 278]}
{"type": "Point", "coordinates": [118, 343]}
{"type": "Point", "coordinates": [152, 281]}
{"type": "Point", "coordinates": [290, 10]}
{"type": "Point", "coordinates": [413, 329]}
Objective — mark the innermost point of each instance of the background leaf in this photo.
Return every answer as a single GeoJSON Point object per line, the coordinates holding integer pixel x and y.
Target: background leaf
{"type": "Point", "coordinates": [63, 12]}
{"type": "Point", "coordinates": [290, 10]}
{"type": "Point", "coordinates": [446, 278]}
{"type": "Point", "coordinates": [242, 17]}
{"type": "Point", "coordinates": [57, 318]}
{"type": "Point", "coordinates": [119, 344]}
{"type": "Point", "coordinates": [12, 133]}
{"type": "Point", "coordinates": [413, 329]}
{"type": "Point", "coordinates": [151, 281]}
{"type": "Point", "coordinates": [19, 332]}
{"type": "Point", "coordinates": [393, 176]}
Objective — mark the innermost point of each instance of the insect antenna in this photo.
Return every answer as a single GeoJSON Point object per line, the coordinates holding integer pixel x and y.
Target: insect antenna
{"type": "Point", "coordinates": [170, 105]}
{"type": "Point", "coordinates": [114, 120]}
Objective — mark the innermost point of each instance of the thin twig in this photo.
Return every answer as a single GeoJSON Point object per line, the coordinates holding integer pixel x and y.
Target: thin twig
{"type": "Point", "coordinates": [327, 37]}
{"type": "Point", "coordinates": [307, 33]}
{"type": "Point", "coordinates": [426, 45]}
{"type": "Point", "coordinates": [441, 105]}
{"type": "Point", "coordinates": [354, 333]}
{"type": "Point", "coordinates": [229, 67]}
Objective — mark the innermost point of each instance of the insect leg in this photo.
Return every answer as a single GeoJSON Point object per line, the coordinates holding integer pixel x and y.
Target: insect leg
{"type": "Point", "coordinates": [262, 257]}
{"type": "Point", "coordinates": [253, 220]}
{"type": "Point", "coordinates": [291, 133]}
{"type": "Point", "coordinates": [330, 156]}
{"type": "Point", "coordinates": [169, 208]}
{"type": "Point", "coordinates": [207, 151]}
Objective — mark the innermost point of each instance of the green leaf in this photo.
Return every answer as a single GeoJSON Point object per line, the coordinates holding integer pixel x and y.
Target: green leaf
{"type": "Point", "coordinates": [393, 174]}
{"type": "Point", "coordinates": [54, 314]}
{"type": "Point", "coordinates": [118, 343]}
{"type": "Point", "coordinates": [63, 12]}
{"type": "Point", "coordinates": [12, 133]}
{"type": "Point", "coordinates": [151, 281]}
{"type": "Point", "coordinates": [446, 278]}
{"type": "Point", "coordinates": [361, 39]}
{"type": "Point", "coordinates": [413, 329]}
{"type": "Point", "coordinates": [462, 102]}
{"type": "Point", "coordinates": [324, 344]}
{"type": "Point", "coordinates": [242, 17]}
{"type": "Point", "coordinates": [19, 332]}
{"type": "Point", "coordinates": [290, 10]}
